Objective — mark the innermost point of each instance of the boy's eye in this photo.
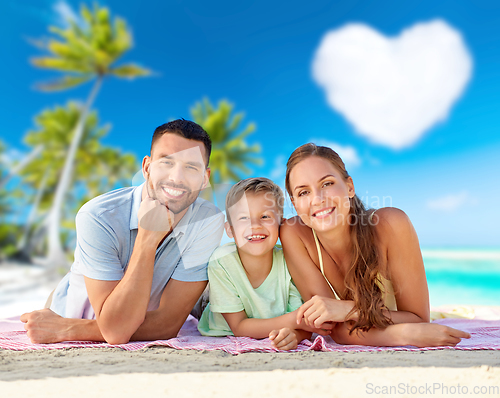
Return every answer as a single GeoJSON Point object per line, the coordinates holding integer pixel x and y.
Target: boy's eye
{"type": "Point", "coordinates": [265, 216]}
{"type": "Point", "coordinates": [243, 218]}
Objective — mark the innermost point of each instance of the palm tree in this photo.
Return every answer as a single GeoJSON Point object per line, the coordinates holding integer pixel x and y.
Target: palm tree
{"type": "Point", "coordinates": [83, 52]}
{"type": "Point", "coordinates": [230, 151]}
{"type": "Point", "coordinates": [17, 168]}
{"type": "Point", "coordinates": [92, 173]}
{"type": "Point", "coordinates": [9, 230]}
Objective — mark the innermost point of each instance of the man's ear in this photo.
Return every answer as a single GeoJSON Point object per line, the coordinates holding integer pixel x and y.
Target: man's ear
{"type": "Point", "coordinates": [146, 162]}
{"type": "Point", "coordinates": [350, 187]}
{"type": "Point", "coordinates": [229, 230]}
{"type": "Point", "coordinates": [206, 178]}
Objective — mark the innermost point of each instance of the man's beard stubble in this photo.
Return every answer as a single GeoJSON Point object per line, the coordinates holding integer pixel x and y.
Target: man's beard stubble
{"type": "Point", "coordinates": [175, 206]}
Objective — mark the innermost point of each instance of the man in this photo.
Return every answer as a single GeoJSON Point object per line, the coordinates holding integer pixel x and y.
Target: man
{"type": "Point", "coordinates": [141, 252]}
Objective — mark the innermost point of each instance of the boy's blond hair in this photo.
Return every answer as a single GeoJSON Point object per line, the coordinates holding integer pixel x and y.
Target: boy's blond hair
{"type": "Point", "coordinates": [254, 185]}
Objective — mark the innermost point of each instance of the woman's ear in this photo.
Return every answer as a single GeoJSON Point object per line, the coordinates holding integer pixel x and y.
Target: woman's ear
{"type": "Point", "coordinates": [229, 230]}
{"type": "Point", "coordinates": [350, 187]}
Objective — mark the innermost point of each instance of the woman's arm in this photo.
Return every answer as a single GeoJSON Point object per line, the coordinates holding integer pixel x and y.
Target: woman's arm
{"type": "Point", "coordinates": [305, 274]}
{"type": "Point", "coordinates": [415, 334]}
{"type": "Point", "coordinates": [404, 265]}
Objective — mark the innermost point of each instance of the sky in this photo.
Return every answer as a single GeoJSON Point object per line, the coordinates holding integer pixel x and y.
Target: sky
{"type": "Point", "coordinates": [406, 92]}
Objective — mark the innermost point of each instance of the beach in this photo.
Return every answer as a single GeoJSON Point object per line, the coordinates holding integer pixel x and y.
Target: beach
{"type": "Point", "coordinates": [164, 371]}
{"type": "Point", "coordinates": [184, 373]}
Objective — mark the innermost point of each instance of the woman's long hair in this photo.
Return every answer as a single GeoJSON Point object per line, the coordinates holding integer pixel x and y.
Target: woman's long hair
{"type": "Point", "coordinates": [363, 277]}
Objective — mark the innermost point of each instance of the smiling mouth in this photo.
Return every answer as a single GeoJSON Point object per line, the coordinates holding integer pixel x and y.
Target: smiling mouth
{"type": "Point", "coordinates": [255, 238]}
{"type": "Point", "coordinates": [323, 213]}
{"type": "Point", "coordinates": [173, 193]}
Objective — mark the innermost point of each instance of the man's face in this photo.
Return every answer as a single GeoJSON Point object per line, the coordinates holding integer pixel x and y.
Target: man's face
{"type": "Point", "coordinates": [175, 173]}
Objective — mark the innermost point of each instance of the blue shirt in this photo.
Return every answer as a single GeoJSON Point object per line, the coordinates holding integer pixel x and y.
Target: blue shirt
{"type": "Point", "coordinates": [106, 229]}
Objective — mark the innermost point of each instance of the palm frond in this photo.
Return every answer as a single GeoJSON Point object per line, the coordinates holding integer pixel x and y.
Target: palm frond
{"type": "Point", "coordinates": [129, 71]}
{"type": "Point", "coordinates": [63, 83]}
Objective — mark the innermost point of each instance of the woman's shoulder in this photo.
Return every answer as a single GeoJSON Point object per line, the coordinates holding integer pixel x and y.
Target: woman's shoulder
{"type": "Point", "coordinates": [390, 220]}
{"type": "Point", "coordinates": [390, 214]}
{"type": "Point", "coordinates": [294, 228]}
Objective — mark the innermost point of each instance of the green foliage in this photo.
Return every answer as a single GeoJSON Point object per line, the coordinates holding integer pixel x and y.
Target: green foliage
{"type": "Point", "coordinates": [4, 207]}
{"type": "Point", "coordinates": [9, 235]}
{"type": "Point", "coordinates": [230, 151]}
{"type": "Point", "coordinates": [88, 49]}
{"type": "Point", "coordinates": [97, 168]}
{"type": "Point", "coordinates": [3, 168]}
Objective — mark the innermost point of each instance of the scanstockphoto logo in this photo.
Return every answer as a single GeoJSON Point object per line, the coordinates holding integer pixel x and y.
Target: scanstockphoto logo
{"type": "Point", "coordinates": [440, 389]}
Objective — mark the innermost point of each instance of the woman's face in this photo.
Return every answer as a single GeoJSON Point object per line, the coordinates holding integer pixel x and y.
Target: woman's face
{"type": "Point", "coordinates": [320, 194]}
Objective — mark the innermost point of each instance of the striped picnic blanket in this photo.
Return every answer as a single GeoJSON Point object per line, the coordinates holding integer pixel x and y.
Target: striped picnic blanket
{"type": "Point", "coordinates": [485, 336]}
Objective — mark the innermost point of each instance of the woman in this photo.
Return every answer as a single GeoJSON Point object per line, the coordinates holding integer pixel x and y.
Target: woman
{"type": "Point", "coordinates": [361, 269]}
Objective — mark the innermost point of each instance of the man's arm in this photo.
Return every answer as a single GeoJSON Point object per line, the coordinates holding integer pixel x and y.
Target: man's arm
{"type": "Point", "coordinates": [120, 306]}
{"type": "Point", "coordinates": [178, 298]}
{"type": "Point", "coordinates": [177, 301]}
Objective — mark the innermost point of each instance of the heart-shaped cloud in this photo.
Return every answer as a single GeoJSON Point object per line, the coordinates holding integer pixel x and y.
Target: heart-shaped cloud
{"type": "Point", "coordinates": [393, 89]}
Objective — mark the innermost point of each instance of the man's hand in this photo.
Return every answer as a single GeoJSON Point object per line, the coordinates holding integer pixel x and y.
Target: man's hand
{"type": "Point", "coordinates": [155, 219]}
{"type": "Point", "coordinates": [45, 327]}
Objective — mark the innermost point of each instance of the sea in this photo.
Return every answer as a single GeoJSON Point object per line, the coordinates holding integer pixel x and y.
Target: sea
{"type": "Point", "coordinates": [463, 276]}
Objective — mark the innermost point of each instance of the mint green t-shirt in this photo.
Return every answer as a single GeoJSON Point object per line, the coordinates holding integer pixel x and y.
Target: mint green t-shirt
{"type": "Point", "coordinates": [231, 291]}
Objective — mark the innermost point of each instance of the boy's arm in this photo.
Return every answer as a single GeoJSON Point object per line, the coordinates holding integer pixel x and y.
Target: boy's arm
{"type": "Point", "coordinates": [288, 339]}
{"type": "Point", "coordinates": [242, 326]}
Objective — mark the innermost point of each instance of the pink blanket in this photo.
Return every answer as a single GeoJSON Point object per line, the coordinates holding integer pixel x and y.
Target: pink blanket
{"type": "Point", "coordinates": [485, 336]}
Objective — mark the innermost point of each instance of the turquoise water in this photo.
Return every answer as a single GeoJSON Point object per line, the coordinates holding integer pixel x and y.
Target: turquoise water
{"type": "Point", "coordinates": [458, 276]}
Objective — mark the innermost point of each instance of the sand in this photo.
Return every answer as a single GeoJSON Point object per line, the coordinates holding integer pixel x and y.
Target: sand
{"type": "Point", "coordinates": [162, 371]}
{"type": "Point", "coordinates": [168, 372]}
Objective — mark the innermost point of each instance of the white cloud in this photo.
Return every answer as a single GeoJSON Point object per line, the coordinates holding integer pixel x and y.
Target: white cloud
{"type": "Point", "coordinates": [12, 156]}
{"type": "Point", "coordinates": [451, 203]}
{"type": "Point", "coordinates": [393, 89]}
{"type": "Point", "coordinates": [65, 13]}
{"type": "Point", "coordinates": [347, 153]}
{"type": "Point", "coordinates": [278, 172]}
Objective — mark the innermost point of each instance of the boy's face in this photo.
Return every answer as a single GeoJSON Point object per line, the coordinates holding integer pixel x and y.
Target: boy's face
{"type": "Point", "coordinates": [256, 221]}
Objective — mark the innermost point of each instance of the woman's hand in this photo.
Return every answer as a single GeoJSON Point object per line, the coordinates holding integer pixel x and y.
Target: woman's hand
{"type": "Point", "coordinates": [319, 310]}
{"type": "Point", "coordinates": [284, 339]}
{"type": "Point", "coordinates": [432, 335]}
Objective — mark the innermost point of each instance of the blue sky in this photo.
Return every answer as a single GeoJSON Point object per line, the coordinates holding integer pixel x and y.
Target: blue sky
{"type": "Point", "coordinates": [259, 55]}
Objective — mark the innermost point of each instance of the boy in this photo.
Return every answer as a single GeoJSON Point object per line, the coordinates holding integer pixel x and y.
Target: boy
{"type": "Point", "coordinates": [251, 291]}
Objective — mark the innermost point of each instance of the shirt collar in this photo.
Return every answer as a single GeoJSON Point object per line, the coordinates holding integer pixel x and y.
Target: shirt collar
{"type": "Point", "coordinates": [179, 230]}
{"type": "Point", "coordinates": [136, 203]}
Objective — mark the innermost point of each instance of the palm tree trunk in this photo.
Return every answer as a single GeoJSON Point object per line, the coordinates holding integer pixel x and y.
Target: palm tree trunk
{"type": "Point", "coordinates": [23, 242]}
{"type": "Point", "coordinates": [56, 257]}
{"type": "Point", "coordinates": [18, 168]}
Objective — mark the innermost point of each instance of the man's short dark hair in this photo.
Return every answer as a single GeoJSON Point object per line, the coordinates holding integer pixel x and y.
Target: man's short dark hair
{"type": "Point", "coordinates": [187, 129]}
